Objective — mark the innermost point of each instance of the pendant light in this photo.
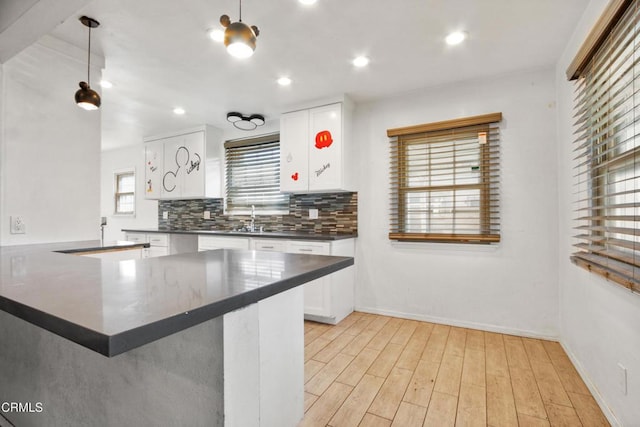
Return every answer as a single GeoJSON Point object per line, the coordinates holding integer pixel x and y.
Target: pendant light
{"type": "Point", "coordinates": [239, 38]}
{"type": "Point", "coordinates": [86, 97]}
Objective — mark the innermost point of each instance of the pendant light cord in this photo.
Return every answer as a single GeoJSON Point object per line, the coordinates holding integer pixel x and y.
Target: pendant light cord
{"type": "Point", "coordinates": [89, 60]}
{"type": "Point", "coordinates": [240, 10]}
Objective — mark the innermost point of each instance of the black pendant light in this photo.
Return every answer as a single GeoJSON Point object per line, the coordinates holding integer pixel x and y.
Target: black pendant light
{"type": "Point", "coordinates": [86, 97]}
{"type": "Point", "coordinates": [239, 38]}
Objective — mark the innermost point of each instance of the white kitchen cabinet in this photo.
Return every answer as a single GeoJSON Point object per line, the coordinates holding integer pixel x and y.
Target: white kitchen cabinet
{"type": "Point", "coordinates": [312, 149]}
{"type": "Point", "coordinates": [153, 161]}
{"type": "Point", "coordinates": [184, 165]}
{"type": "Point", "coordinates": [158, 243]}
{"type": "Point", "coordinates": [206, 243]}
{"type": "Point", "coordinates": [294, 152]}
{"type": "Point", "coordinates": [269, 245]}
{"type": "Point", "coordinates": [331, 298]}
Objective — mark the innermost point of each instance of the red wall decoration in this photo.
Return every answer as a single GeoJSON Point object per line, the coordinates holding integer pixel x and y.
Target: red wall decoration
{"type": "Point", "coordinates": [323, 139]}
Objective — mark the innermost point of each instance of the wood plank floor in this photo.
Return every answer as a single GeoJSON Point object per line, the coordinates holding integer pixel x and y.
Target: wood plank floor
{"type": "Point", "coordinates": [372, 370]}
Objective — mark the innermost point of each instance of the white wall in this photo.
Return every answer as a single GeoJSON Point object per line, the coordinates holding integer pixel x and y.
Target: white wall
{"type": "Point", "coordinates": [50, 150]}
{"type": "Point", "coordinates": [146, 215]}
{"type": "Point", "coordinates": [511, 287]}
{"type": "Point", "coordinates": [599, 320]}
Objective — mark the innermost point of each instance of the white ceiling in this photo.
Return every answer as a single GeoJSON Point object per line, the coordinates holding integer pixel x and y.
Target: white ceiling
{"type": "Point", "coordinates": [158, 54]}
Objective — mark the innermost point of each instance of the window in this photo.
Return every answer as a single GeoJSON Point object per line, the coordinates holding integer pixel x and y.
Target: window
{"type": "Point", "coordinates": [253, 175]}
{"type": "Point", "coordinates": [125, 197]}
{"type": "Point", "coordinates": [445, 181]}
{"type": "Point", "coordinates": [607, 144]}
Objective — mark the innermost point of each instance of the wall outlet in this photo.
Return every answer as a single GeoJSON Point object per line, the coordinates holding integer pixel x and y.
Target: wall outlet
{"type": "Point", "coordinates": [165, 215]}
{"type": "Point", "coordinates": [622, 379]}
{"type": "Point", "coordinates": [17, 225]}
{"type": "Point", "coordinates": [313, 213]}
{"type": "Point", "coordinates": [206, 215]}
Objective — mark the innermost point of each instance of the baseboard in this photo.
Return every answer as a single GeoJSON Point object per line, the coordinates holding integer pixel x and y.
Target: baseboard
{"type": "Point", "coordinates": [591, 386]}
{"type": "Point", "coordinates": [462, 324]}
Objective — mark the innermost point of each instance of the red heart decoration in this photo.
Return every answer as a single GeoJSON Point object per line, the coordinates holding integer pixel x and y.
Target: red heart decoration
{"type": "Point", "coordinates": [294, 176]}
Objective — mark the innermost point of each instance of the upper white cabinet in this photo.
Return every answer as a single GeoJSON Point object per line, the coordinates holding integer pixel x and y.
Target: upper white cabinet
{"type": "Point", "coordinates": [312, 149]}
{"type": "Point", "coordinates": [184, 165]}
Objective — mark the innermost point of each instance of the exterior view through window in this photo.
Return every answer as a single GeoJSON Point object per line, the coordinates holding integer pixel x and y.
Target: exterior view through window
{"type": "Point", "coordinates": [253, 176]}
{"type": "Point", "coordinates": [125, 196]}
{"type": "Point", "coordinates": [445, 181]}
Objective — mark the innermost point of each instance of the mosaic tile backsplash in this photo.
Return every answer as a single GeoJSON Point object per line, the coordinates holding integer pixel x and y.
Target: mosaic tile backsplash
{"type": "Point", "coordinates": [337, 214]}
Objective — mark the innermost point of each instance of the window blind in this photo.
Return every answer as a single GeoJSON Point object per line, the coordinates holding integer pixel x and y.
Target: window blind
{"type": "Point", "coordinates": [607, 166]}
{"type": "Point", "coordinates": [125, 193]}
{"type": "Point", "coordinates": [445, 181]}
{"type": "Point", "coordinates": [253, 175]}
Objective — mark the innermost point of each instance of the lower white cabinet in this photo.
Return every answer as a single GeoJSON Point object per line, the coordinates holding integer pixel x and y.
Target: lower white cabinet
{"type": "Point", "coordinates": [158, 243]}
{"type": "Point", "coordinates": [206, 243]}
{"type": "Point", "coordinates": [328, 299]}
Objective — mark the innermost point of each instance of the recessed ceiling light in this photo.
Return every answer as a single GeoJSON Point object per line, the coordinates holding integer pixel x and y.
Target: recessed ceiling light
{"type": "Point", "coordinates": [106, 84]}
{"type": "Point", "coordinates": [178, 111]}
{"type": "Point", "coordinates": [216, 34]}
{"type": "Point", "coordinates": [307, 2]}
{"type": "Point", "coordinates": [361, 61]}
{"type": "Point", "coordinates": [284, 81]}
{"type": "Point", "coordinates": [456, 37]}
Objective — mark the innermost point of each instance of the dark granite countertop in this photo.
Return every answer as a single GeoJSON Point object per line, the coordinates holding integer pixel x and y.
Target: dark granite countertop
{"type": "Point", "coordinates": [91, 246]}
{"type": "Point", "coordinates": [291, 235]}
{"type": "Point", "coordinates": [114, 306]}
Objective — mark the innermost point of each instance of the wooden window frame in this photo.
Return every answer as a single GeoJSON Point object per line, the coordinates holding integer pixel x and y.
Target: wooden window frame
{"type": "Point", "coordinates": [603, 253]}
{"type": "Point", "coordinates": [401, 189]}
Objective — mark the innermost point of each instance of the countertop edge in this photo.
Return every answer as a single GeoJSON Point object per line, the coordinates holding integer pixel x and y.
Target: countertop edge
{"type": "Point", "coordinates": [266, 235]}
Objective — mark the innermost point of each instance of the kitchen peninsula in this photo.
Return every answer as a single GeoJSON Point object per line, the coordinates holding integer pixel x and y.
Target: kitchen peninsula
{"type": "Point", "coordinates": [207, 338]}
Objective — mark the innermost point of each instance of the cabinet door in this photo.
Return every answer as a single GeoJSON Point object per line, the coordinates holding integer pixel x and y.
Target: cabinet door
{"type": "Point", "coordinates": [153, 164]}
{"type": "Point", "coordinates": [206, 243]}
{"type": "Point", "coordinates": [294, 151]}
{"type": "Point", "coordinates": [269, 245]}
{"type": "Point", "coordinates": [317, 293]}
{"type": "Point", "coordinates": [194, 173]}
{"type": "Point", "coordinates": [136, 237]}
{"type": "Point", "coordinates": [325, 148]}
{"type": "Point", "coordinates": [183, 166]}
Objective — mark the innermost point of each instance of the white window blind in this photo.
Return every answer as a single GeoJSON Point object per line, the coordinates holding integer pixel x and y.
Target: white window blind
{"type": "Point", "coordinates": [125, 199]}
{"type": "Point", "coordinates": [445, 181]}
{"type": "Point", "coordinates": [253, 175]}
{"type": "Point", "coordinates": [607, 166]}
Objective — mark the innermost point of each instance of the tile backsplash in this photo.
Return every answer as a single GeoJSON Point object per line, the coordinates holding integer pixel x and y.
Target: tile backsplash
{"type": "Point", "coordinates": [337, 214]}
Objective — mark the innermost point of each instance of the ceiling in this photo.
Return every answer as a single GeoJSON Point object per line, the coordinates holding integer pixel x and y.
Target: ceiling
{"type": "Point", "coordinates": [158, 55]}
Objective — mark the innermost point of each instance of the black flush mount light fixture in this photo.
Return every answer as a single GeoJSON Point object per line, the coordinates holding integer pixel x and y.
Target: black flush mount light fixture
{"type": "Point", "coordinates": [86, 97]}
{"type": "Point", "coordinates": [239, 38]}
{"type": "Point", "coordinates": [243, 122]}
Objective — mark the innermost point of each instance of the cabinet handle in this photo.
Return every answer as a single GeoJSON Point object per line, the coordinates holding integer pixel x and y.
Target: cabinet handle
{"type": "Point", "coordinates": [306, 250]}
{"type": "Point", "coordinates": [267, 247]}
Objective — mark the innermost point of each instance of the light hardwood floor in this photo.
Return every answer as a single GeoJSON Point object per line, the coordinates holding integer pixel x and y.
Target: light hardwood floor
{"type": "Point", "coordinates": [372, 370]}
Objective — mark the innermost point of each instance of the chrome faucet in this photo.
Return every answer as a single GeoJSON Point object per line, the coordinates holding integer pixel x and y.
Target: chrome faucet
{"type": "Point", "coordinates": [252, 227]}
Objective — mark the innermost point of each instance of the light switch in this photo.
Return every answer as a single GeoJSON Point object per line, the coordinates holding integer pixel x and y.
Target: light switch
{"type": "Point", "coordinates": [207, 215]}
{"type": "Point", "coordinates": [165, 215]}
{"type": "Point", "coordinates": [313, 213]}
